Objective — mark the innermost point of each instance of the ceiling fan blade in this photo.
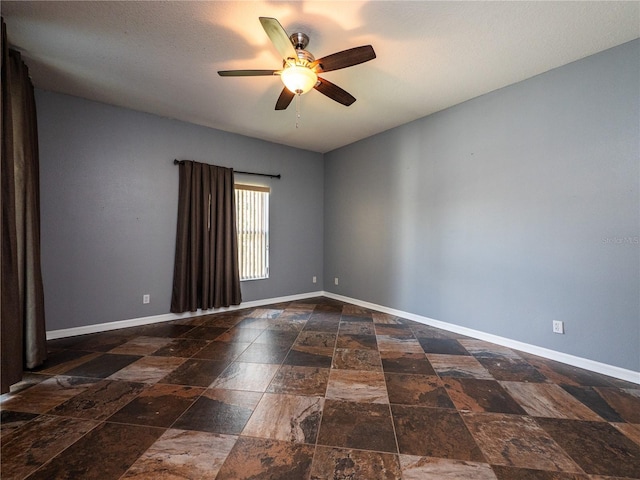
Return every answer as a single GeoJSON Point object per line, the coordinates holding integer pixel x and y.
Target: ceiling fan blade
{"type": "Point", "coordinates": [284, 99]}
{"type": "Point", "coordinates": [346, 58]}
{"type": "Point", "coordinates": [334, 92]}
{"type": "Point", "coordinates": [278, 37]}
{"type": "Point", "coordinates": [246, 73]}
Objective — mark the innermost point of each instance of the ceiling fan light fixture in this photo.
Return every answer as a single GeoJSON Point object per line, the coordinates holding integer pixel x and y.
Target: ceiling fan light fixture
{"type": "Point", "coordinates": [299, 79]}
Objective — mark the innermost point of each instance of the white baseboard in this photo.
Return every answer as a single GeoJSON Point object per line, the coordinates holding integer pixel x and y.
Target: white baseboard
{"type": "Point", "coordinates": [167, 317]}
{"type": "Point", "coordinates": [603, 368]}
{"type": "Point", "coordinates": [598, 367]}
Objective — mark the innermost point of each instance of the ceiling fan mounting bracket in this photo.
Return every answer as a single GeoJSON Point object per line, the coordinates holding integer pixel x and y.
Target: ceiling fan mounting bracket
{"type": "Point", "coordinates": [300, 40]}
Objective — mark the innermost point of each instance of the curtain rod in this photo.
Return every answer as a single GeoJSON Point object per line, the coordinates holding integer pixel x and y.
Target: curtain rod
{"type": "Point", "coordinates": [178, 162]}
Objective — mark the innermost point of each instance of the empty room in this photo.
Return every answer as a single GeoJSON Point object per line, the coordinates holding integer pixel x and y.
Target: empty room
{"type": "Point", "coordinates": [313, 240]}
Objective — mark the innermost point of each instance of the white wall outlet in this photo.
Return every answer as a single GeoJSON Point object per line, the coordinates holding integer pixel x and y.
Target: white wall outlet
{"type": "Point", "coordinates": [315, 280]}
{"type": "Point", "coordinates": [146, 298]}
{"type": "Point", "coordinates": [335, 281]}
{"type": "Point", "coordinates": [558, 326]}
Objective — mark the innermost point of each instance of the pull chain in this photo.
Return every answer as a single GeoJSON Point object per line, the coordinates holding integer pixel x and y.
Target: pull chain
{"type": "Point", "coordinates": [297, 110]}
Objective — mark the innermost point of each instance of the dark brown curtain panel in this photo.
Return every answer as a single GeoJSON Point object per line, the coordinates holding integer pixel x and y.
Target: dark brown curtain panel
{"type": "Point", "coordinates": [206, 273]}
{"type": "Point", "coordinates": [22, 324]}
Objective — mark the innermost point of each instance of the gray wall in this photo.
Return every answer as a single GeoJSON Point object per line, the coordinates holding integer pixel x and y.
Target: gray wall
{"type": "Point", "coordinates": [504, 213]}
{"type": "Point", "coordinates": [109, 193]}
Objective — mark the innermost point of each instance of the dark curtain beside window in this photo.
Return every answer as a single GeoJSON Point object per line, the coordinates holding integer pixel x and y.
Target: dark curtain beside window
{"type": "Point", "coordinates": [22, 326]}
{"type": "Point", "coordinates": [206, 271]}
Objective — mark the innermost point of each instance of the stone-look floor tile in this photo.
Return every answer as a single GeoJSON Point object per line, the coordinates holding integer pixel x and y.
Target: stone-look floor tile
{"type": "Point", "coordinates": [39, 441]}
{"type": "Point", "coordinates": [47, 394]}
{"type": "Point", "coordinates": [61, 361]}
{"type": "Point", "coordinates": [254, 323]}
{"type": "Point", "coordinates": [141, 345]}
{"type": "Point", "coordinates": [429, 468]}
{"type": "Point", "coordinates": [291, 324]}
{"type": "Point", "coordinates": [309, 357]}
{"type": "Point", "coordinates": [433, 432]}
{"type": "Point", "coordinates": [631, 431]}
{"type": "Point", "coordinates": [300, 380]}
{"type": "Point", "coordinates": [473, 395]}
{"type": "Point", "coordinates": [357, 386]}
{"type": "Point", "coordinates": [442, 346]}
{"type": "Point", "coordinates": [400, 362]}
{"type": "Point", "coordinates": [99, 401]}
{"type": "Point", "coordinates": [102, 366]}
{"type": "Point", "coordinates": [246, 376]}
{"type": "Point", "coordinates": [240, 335]}
{"type": "Point", "coordinates": [406, 344]}
{"type": "Point", "coordinates": [264, 353]}
{"type": "Point", "coordinates": [596, 446]}
{"type": "Point", "coordinates": [409, 389]}
{"type": "Point", "coordinates": [385, 318]}
{"type": "Point", "coordinates": [204, 333]}
{"type": "Point", "coordinates": [258, 458]}
{"type": "Point", "coordinates": [219, 411]}
{"type": "Point", "coordinates": [397, 331]}
{"type": "Point", "coordinates": [167, 329]}
{"type": "Point", "coordinates": [624, 401]}
{"type": "Point", "coordinates": [624, 384]}
{"type": "Point", "coordinates": [482, 349]}
{"type": "Point", "coordinates": [183, 454]}
{"type": "Point", "coordinates": [512, 369]}
{"type": "Point", "coordinates": [223, 320]}
{"type": "Point", "coordinates": [510, 473]}
{"type": "Point", "coordinates": [357, 342]}
{"type": "Point", "coordinates": [592, 399]}
{"type": "Point", "coordinates": [195, 372]}
{"type": "Point", "coordinates": [459, 366]}
{"type": "Point", "coordinates": [148, 369]}
{"type": "Point", "coordinates": [356, 328]}
{"type": "Point", "coordinates": [265, 313]}
{"type": "Point", "coordinates": [275, 336]}
{"type": "Point", "coordinates": [323, 323]}
{"type": "Point", "coordinates": [341, 463]}
{"type": "Point", "coordinates": [357, 439]}
{"type": "Point", "coordinates": [427, 331]}
{"type": "Point", "coordinates": [365, 426]}
{"type": "Point", "coordinates": [292, 418]}
{"type": "Point", "coordinates": [96, 342]}
{"type": "Point", "coordinates": [309, 338]}
{"type": "Point", "coordinates": [564, 374]}
{"type": "Point", "coordinates": [222, 351]}
{"type": "Point", "coordinates": [181, 347]}
{"type": "Point", "coordinates": [11, 421]}
{"type": "Point", "coordinates": [518, 441]}
{"type": "Point", "coordinates": [548, 400]}
{"type": "Point", "coordinates": [348, 359]}
{"type": "Point", "coordinates": [105, 452]}
{"type": "Point", "coordinates": [356, 311]}
{"type": "Point", "coordinates": [158, 405]}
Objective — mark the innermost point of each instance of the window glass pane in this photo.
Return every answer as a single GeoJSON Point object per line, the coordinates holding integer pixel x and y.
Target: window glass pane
{"type": "Point", "coordinates": [252, 218]}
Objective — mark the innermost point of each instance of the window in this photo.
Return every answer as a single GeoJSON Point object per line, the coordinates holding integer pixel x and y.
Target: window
{"type": "Point", "coordinates": [252, 222]}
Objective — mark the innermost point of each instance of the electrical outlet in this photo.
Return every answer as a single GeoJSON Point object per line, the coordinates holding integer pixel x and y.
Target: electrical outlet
{"type": "Point", "coordinates": [558, 326]}
{"type": "Point", "coordinates": [335, 281]}
{"type": "Point", "coordinates": [315, 280]}
{"type": "Point", "coordinates": [146, 298]}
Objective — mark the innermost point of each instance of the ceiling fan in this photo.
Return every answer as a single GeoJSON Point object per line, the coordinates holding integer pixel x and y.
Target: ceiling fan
{"type": "Point", "coordinates": [300, 69]}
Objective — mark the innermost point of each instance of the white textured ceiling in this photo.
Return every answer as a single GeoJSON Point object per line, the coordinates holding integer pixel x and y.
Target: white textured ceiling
{"type": "Point", "coordinates": [163, 57]}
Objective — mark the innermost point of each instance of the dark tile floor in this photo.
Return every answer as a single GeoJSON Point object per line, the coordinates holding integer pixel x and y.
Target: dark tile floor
{"type": "Point", "coordinates": [315, 389]}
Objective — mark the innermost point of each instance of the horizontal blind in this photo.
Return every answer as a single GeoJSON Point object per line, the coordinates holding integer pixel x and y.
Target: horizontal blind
{"type": "Point", "coordinates": [252, 219]}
